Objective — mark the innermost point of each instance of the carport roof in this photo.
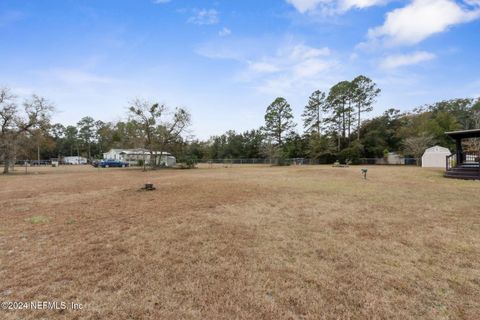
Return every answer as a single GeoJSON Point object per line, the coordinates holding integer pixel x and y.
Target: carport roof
{"type": "Point", "coordinates": [464, 134]}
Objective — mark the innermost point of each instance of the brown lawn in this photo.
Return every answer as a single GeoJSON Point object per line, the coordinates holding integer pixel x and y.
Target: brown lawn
{"type": "Point", "coordinates": [241, 243]}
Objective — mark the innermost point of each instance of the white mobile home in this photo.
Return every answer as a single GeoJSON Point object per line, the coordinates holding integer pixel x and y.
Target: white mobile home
{"type": "Point", "coordinates": [74, 160]}
{"type": "Point", "coordinates": [133, 156]}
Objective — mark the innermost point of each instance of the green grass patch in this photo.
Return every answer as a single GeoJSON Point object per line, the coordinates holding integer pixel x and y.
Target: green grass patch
{"type": "Point", "coordinates": [37, 219]}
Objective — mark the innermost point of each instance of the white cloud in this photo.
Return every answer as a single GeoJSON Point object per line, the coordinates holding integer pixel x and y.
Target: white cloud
{"type": "Point", "coordinates": [359, 4]}
{"type": "Point", "coordinates": [306, 5]}
{"type": "Point", "coordinates": [205, 17]}
{"type": "Point", "coordinates": [401, 60]}
{"type": "Point", "coordinates": [262, 67]}
{"type": "Point", "coordinates": [292, 68]}
{"type": "Point", "coordinates": [310, 68]}
{"type": "Point", "coordinates": [333, 6]}
{"type": "Point", "coordinates": [304, 52]}
{"type": "Point", "coordinates": [420, 19]}
{"type": "Point", "coordinates": [473, 2]}
{"type": "Point", "coordinates": [225, 32]}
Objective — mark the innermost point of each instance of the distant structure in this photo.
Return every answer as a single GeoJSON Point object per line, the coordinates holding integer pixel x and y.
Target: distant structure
{"type": "Point", "coordinates": [74, 160]}
{"type": "Point", "coordinates": [435, 157]}
{"type": "Point", "coordinates": [394, 158]}
{"type": "Point", "coordinates": [390, 158]}
{"type": "Point", "coordinates": [134, 156]}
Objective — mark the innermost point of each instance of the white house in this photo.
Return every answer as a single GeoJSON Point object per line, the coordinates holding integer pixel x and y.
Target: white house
{"type": "Point", "coordinates": [74, 160]}
{"type": "Point", "coordinates": [133, 156]}
{"type": "Point", "coordinates": [435, 157]}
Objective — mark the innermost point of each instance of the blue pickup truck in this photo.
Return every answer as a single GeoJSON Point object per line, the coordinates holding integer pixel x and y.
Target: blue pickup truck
{"type": "Point", "coordinates": [111, 164]}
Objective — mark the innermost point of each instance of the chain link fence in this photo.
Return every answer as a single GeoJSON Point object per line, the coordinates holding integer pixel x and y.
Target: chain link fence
{"type": "Point", "coordinates": [304, 161]}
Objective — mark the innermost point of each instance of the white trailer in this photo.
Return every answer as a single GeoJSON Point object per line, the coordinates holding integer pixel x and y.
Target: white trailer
{"type": "Point", "coordinates": [74, 160]}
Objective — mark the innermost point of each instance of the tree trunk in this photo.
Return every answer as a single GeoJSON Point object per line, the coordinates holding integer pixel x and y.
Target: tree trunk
{"type": "Point", "coordinates": [339, 138]}
{"type": "Point", "coordinates": [154, 159]}
{"type": "Point", "coordinates": [7, 156]}
{"type": "Point", "coordinates": [279, 131]}
{"type": "Point", "coordinates": [6, 165]}
{"type": "Point", "coordinates": [349, 124]}
{"type": "Point", "coordinates": [358, 127]}
{"type": "Point", "coordinates": [343, 125]}
{"type": "Point", "coordinates": [162, 147]}
{"type": "Point", "coordinates": [318, 122]}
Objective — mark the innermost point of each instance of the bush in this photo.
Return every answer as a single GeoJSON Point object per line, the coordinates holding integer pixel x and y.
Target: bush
{"type": "Point", "coordinates": [140, 163]}
{"type": "Point", "coordinates": [352, 153]}
{"type": "Point", "coordinates": [325, 158]}
{"type": "Point", "coordinates": [191, 163]}
{"type": "Point", "coordinates": [385, 153]}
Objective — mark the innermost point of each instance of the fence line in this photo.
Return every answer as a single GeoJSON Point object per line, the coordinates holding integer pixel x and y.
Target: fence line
{"type": "Point", "coordinates": [259, 161]}
{"type": "Point", "coordinates": [306, 161]}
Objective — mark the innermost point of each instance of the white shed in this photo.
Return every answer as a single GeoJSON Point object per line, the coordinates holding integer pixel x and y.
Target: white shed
{"type": "Point", "coordinates": [435, 157]}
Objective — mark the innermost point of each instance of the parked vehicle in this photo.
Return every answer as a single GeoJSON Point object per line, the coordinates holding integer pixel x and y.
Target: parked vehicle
{"type": "Point", "coordinates": [112, 164]}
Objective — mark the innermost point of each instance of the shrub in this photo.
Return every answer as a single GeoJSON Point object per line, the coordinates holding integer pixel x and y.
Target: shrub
{"type": "Point", "coordinates": [325, 158]}
{"type": "Point", "coordinates": [188, 163]}
{"type": "Point", "coordinates": [385, 153]}
{"type": "Point", "coordinates": [191, 163]}
{"type": "Point", "coordinates": [352, 153]}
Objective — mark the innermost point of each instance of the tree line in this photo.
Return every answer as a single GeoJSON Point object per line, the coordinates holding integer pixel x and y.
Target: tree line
{"type": "Point", "coordinates": [334, 126]}
{"type": "Point", "coordinates": [26, 131]}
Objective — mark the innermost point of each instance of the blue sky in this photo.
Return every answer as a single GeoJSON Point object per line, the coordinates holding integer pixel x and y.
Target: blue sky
{"type": "Point", "coordinates": [227, 60]}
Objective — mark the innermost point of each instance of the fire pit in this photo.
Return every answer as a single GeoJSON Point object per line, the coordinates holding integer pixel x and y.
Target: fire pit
{"type": "Point", "coordinates": [148, 187]}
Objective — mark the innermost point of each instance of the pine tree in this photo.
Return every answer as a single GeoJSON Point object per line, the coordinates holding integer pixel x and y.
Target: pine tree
{"type": "Point", "coordinates": [278, 120]}
{"type": "Point", "coordinates": [312, 115]}
{"type": "Point", "coordinates": [365, 93]}
{"type": "Point", "coordinates": [339, 104]}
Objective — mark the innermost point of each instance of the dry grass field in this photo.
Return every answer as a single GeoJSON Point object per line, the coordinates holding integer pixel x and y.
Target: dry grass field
{"type": "Point", "coordinates": [241, 243]}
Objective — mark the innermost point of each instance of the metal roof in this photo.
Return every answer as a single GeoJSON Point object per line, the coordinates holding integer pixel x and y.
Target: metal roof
{"type": "Point", "coordinates": [464, 134]}
{"type": "Point", "coordinates": [138, 151]}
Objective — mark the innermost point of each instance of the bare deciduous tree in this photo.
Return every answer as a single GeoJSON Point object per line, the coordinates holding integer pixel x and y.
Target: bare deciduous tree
{"type": "Point", "coordinates": [156, 129]}
{"type": "Point", "coordinates": [416, 146]}
{"type": "Point", "coordinates": [14, 122]}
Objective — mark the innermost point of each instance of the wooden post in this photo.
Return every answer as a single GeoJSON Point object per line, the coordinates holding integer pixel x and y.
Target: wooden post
{"type": "Point", "coordinates": [458, 143]}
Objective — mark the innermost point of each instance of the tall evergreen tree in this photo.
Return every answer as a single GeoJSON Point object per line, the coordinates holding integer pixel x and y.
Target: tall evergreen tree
{"type": "Point", "coordinates": [312, 115]}
{"type": "Point", "coordinates": [339, 104]}
{"type": "Point", "coordinates": [278, 120]}
{"type": "Point", "coordinates": [365, 91]}
{"type": "Point", "coordinates": [86, 130]}
{"type": "Point", "coordinates": [71, 139]}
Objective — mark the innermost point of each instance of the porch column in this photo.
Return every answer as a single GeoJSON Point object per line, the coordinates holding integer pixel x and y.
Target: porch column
{"type": "Point", "coordinates": [459, 149]}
